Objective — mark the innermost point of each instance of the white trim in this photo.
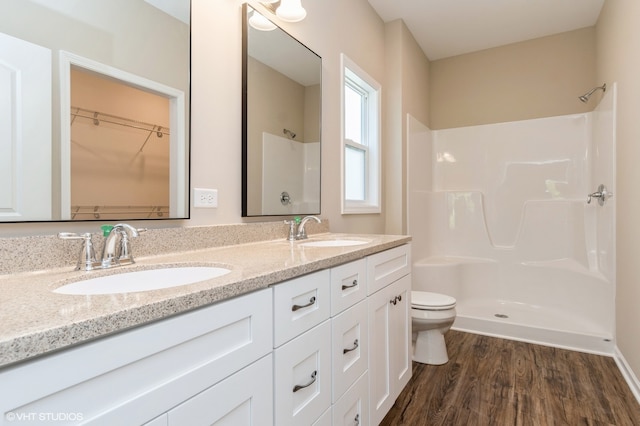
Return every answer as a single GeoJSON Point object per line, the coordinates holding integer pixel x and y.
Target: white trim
{"type": "Point", "coordinates": [627, 373]}
{"type": "Point", "coordinates": [177, 150]}
{"type": "Point", "coordinates": [374, 203]}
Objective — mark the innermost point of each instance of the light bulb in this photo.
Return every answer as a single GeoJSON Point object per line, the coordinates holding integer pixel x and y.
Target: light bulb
{"type": "Point", "coordinates": [261, 23]}
{"type": "Point", "coordinates": [291, 11]}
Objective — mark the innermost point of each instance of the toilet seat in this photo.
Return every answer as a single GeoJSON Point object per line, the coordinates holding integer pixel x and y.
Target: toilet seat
{"type": "Point", "coordinates": [428, 301]}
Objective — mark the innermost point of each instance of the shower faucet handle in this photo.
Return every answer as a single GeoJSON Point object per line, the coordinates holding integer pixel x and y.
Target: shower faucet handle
{"type": "Point", "coordinates": [602, 194]}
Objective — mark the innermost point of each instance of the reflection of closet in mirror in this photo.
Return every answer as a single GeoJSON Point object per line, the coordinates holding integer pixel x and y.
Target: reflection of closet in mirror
{"type": "Point", "coordinates": [119, 163]}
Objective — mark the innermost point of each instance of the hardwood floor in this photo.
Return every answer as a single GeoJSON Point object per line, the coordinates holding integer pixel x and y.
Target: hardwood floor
{"type": "Point", "coordinates": [491, 381]}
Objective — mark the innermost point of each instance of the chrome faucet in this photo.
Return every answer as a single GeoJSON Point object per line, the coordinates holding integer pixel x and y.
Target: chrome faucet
{"type": "Point", "coordinates": [301, 232]}
{"type": "Point", "coordinates": [113, 254]}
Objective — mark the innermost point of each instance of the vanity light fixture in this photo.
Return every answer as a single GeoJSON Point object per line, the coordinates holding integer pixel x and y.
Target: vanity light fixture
{"type": "Point", "coordinates": [286, 10]}
{"type": "Point", "coordinates": [259, 22]}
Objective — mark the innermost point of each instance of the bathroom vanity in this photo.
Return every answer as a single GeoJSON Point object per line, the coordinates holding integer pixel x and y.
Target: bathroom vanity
{"type": "Point", "coordinates": [311, 335]}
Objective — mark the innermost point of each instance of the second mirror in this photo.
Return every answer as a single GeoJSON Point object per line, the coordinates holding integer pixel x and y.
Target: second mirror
{"type": "Point", "coordinates": [281, 101]}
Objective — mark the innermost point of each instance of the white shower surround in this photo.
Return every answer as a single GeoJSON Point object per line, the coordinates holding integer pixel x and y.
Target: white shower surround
{"type": "Point", "coordinates": [499, 221]}
{"type": "Point", "coordinates": [293, 167]}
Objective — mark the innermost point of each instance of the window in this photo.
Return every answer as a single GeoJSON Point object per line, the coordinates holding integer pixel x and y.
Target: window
{"type": "Point", "coordinates": [360, 140]}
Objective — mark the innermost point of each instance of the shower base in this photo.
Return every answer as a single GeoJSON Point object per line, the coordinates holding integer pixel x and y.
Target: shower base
{"type": "Point", "coordinates": [532, 324]}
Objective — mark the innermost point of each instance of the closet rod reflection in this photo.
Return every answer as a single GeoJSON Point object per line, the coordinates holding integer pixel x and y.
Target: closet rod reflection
{"type": "Point", "coordinates": [96, 117]}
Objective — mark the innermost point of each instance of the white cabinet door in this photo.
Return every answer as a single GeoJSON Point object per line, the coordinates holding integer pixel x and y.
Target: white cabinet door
{"type": "Point", "coordinates": [244, 399]}
{"type": "Point", "coordinates": [400, 333]}
{"type": "Point", "coordinates": [389, 350]}
{"type": "Point", "coordinates": [302, 376]}
{"type": "Point", "coordinates": [350, 347]}
{"type": "Point", "coordinates": [25, 130]}
{"type": "Point", "coordinates": [380, 315]}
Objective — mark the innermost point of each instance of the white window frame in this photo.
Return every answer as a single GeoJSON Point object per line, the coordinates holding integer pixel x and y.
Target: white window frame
{"type": "Point", "coordinates": [352, 73]}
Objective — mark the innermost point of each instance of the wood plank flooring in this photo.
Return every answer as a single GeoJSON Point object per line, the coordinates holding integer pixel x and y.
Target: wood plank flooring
{"type": "Point", "coordinates": [491, 381]}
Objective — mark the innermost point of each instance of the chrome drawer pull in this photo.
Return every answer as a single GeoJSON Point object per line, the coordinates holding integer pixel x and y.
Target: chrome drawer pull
{"type": "Point", "coordinates": [355, 346]}
{"type": "Point", "coordinates": [357, 419]}
{"type": "Point", "coordinates": [296, 388]}
{"type": "Point", "coordinates": [355, 283]}
{"type": "Point", "coordinates": [311, 302]}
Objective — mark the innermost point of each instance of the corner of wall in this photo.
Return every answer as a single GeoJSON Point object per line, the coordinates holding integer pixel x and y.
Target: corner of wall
{"type": "Point", "coordinates": [627, 373]}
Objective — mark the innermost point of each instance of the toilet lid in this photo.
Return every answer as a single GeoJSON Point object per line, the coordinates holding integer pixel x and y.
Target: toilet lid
{"type": "Point", "coordinates": [433, 301]}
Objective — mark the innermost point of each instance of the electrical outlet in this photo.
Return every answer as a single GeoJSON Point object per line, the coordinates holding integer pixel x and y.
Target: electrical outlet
{"type": "Point", "coordinates": [203, 197]}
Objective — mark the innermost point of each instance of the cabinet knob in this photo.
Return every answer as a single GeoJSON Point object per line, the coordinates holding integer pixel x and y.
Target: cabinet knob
{"type": "Point", "coordinates": [311, 302]}
{"type": "Point", "coordinates": [357, 419]}
{"type": "Point", "coordinates": [353, 284]}
{"type": "Point", "coordinates": [296, 388]}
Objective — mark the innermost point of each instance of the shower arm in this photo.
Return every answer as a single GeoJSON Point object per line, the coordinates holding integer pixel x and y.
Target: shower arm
{"type": "Point", "coordinates": [584, 98]}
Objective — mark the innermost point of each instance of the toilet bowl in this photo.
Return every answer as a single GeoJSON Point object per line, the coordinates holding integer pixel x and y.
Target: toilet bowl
{"type": "Point", "coordinates": [432, 315]}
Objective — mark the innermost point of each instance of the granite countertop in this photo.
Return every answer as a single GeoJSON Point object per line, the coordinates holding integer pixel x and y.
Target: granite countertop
{"type": "Point", "coordinates": [35, 321]}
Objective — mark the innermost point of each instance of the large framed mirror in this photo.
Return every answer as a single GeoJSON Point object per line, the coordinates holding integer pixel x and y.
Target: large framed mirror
{"type": "Point", "coordinates": [95, 124]}
{"type": "Point", "coordinates": [281, 116]}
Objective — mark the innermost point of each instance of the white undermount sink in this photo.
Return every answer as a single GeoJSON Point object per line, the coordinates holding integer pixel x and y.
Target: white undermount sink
{"type": "Point", "coordinates": [333, 243]}
{"type": "Point", "coordinates": [151, 279]}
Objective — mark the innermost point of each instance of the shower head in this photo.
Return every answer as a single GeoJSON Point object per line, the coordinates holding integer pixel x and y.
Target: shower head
{"type": "Point", "coordinates": [289, 133]}
{"type": "Point", "coordinates": [586, 96]}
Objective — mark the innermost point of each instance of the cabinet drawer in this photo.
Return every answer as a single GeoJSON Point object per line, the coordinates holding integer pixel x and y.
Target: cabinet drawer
{"type": "Point", "coordinates": [325, 419]}
{"type": "Point", "coordinates": [348, 285]}
{"type": "Point", "coordinates": [350, 347]}
{"type": "Point", "coordinates": [352, 409]}
{"type": "Point", "coordinates": [299, 305]}
{"type": "Point", "coordinates": [302, 371]}
{"type": "Point", "coordinates": [386, 267]}
{"type": "Point", "coordinates": [244, 399]}
{"type": "Point", "coordinates": [139, 374]}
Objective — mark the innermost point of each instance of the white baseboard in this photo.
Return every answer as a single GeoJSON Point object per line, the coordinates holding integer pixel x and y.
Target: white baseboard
{"type": "Point", "coordinates": [627, 373]}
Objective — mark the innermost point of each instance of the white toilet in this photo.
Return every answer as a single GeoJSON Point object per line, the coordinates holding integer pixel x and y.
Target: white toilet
{"type": "Point", "coordinates": [432, 315]}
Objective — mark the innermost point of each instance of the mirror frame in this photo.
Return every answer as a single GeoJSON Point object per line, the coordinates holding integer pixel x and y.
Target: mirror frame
{"type": "Point", "coordinates": [245, 118]}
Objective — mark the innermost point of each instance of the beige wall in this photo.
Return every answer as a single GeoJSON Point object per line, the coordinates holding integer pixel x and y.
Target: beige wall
{"type": "Point", "coordinates": [405, 91]}
{"type": "Point", "coordinates": [618, 44]}
{"type": "Point", "coordinates": [217, 104]}
{"type": "Point", "coordinates": [354, 29]}
{"type": "Point", "coordinates": [531, 79]}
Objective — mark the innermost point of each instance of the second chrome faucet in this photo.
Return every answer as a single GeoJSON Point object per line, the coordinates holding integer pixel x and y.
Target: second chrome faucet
{"type": "Point", "coordinates": [299, 232]}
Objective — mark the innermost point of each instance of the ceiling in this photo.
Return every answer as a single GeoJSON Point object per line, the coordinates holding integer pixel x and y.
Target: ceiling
{"type": "Point", "coordinates": [445, 28]}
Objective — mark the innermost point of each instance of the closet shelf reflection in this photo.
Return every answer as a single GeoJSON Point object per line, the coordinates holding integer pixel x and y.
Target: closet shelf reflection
{"type": "Point", "coordinates": [128, 212]}
{"type": "Point", "coordinates": [97, 117]}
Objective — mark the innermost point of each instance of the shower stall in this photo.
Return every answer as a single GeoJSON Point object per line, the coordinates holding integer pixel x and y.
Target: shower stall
{"type": "Point", "coordinates": [500, 220]}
